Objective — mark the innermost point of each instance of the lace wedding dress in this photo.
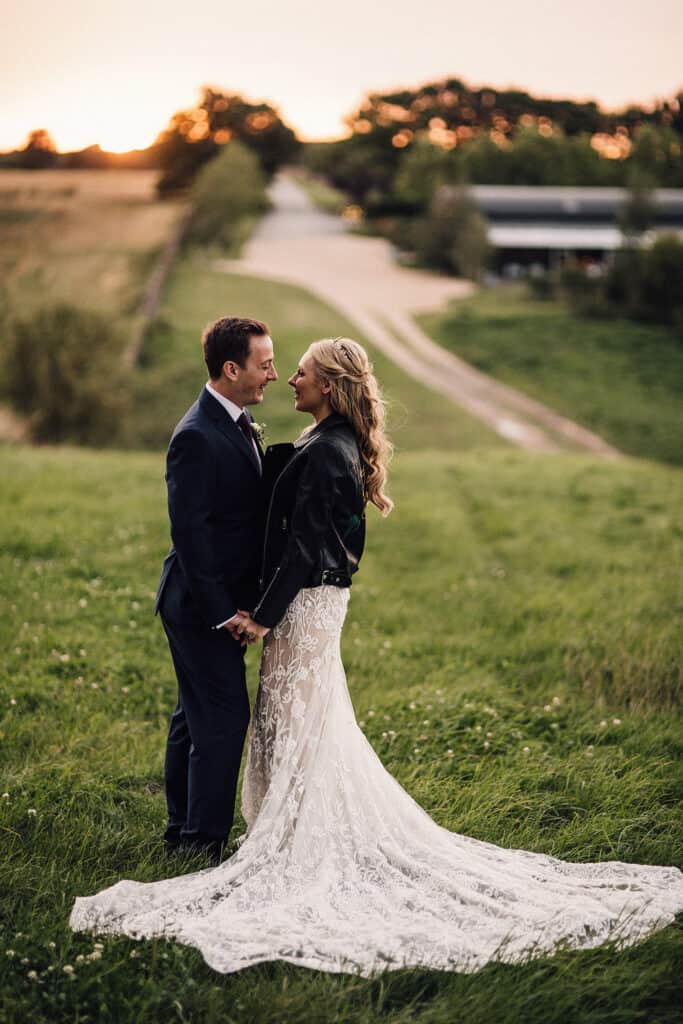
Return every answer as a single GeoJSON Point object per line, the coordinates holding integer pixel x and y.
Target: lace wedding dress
{"type": "Point", "coordinates": [342, 871]}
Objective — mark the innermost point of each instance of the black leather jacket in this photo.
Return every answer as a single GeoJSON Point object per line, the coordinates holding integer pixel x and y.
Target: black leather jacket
{"type": "Point", "coordinates": [315, 530]}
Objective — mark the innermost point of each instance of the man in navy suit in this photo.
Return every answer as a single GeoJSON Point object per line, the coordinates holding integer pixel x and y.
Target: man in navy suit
{"type": "Point", "coordinates": [215, 505]}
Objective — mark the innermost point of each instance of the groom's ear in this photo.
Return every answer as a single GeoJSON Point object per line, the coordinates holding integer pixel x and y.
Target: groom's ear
{"type": "Point", "coordinates": [230, 370]}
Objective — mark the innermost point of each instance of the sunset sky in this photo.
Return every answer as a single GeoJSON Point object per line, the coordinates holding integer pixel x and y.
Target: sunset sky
{"type": "Point", "coordinates": [114, 73]}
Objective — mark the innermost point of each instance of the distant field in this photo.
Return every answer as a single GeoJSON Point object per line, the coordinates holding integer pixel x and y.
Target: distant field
{"type": "Point", "coordinates": [173, 371]}
{"type": "Point", "coordinates": [620, 378]}
{"type": "Point", "coordinates": [87, 237]}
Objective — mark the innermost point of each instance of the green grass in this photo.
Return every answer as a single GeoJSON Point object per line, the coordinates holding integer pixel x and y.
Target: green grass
{"type": "Point", "coordinates": [619, 378]}
{"type": "Point", "coordinates": [511, 600]}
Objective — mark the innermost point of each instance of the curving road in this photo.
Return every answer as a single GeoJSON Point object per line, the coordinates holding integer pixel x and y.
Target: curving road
{"type": "Point", "coordinates": [299, 244]}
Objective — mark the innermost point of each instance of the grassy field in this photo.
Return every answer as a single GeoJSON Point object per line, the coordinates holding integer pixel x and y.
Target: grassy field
{"type": "Point", "coordinates": [619, 378]}
{"type": "Point", "coordinates": [512, 654]}
{"type": "Point", "coordinates": [88, 237]}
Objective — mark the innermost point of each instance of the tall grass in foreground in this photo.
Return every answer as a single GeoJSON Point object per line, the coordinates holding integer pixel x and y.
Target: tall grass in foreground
{"type": "Point", "coordinates": [511, 652]}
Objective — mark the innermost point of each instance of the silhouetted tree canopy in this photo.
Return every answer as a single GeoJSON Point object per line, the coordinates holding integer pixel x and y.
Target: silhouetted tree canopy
{"type": "Point", "coordinates": [448, 132]}
{"type": "Point", "coordinates": [195, 136]}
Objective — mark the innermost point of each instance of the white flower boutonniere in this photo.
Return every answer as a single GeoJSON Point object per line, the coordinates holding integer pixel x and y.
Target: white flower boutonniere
{"type": "Point", "coordinates": [259, 430]}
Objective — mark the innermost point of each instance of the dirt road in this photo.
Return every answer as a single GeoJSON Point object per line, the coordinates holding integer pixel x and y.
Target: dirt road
{"type": "Point", "coordinates": [302, 245]}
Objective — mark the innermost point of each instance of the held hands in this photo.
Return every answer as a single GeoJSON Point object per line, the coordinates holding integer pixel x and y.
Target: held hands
{"type": "Point", "coordinates": [244, 629]}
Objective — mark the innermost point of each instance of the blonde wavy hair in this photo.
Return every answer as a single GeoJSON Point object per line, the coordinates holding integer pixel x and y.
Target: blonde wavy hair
{"type": "Point", "coordinates": [355, 394]}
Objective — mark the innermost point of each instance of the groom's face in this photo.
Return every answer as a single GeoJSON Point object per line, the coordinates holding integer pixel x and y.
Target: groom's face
{"type": "Point", "coordinates": [258, 370]}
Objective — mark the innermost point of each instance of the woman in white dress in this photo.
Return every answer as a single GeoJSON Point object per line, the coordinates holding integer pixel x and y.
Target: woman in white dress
{"type": "Point", "coordinates": [340, 869]}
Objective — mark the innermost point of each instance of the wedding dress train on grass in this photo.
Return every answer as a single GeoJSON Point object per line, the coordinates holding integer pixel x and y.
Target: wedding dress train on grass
{"type": "Point", "coordinates": [342, 871]}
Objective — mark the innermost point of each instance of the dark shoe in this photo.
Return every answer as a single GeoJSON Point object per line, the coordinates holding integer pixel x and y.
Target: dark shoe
{"type": "Point", "coordinates": [211, 850]}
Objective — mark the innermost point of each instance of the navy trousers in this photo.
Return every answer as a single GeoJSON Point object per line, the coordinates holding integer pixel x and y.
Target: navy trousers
{"type": "Point", "coordinates": [206, 734]}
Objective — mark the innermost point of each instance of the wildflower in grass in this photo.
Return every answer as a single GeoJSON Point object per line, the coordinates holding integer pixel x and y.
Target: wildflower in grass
{"type": "Point", "coordinates": [125, 689]}
{"type": "Point", "coordinates": [13, 701]}
{"type": "Point", "coordinates": [526, 750]}
{"type": "Point", "coordinates": [387, 644]}
{"type": "Point", "coordinates": [426, 721]}
{"type": "Point", "coordinates": [32, 812]}
{"type": "Point", "coordinates": [449, 752]}
{"type": "Point", "coordinates": [589, 750]}
{"type": "Point", "coordinates": [95, 955]}
{"type": "Point", "coordinates": [32, 975]}
{"type": "Point", "coordinates": [5, 796]}
{"type": "Point", "coordinates": [486, 744]}
{"type": "Point", "coordinates": [68, 969]}
{"type": "Point", "coordinates": [82, 652]}
{"type": "Point", "coordinates": [547, 707]}
{"type": "Point", "coordinates": [616, 721]}
{"type": "Point", "coordinates": [24, 960]}
{"type": "Point", "coordinates": [133, 624]}
{"type": "Point", "coordinates": [10, 953]}
{"type": "Point", "coordinates": [371, 713]}
{"type": "Point", "coordinates": [64, 658]}
{"type": "Point", "coordinates": [556, 701]}
{"type": "Point", "coordinates": [603, 724]}
{"type": "Point", "coordinates": [52, 945]}
{"type": "Point", "coordinates": [83, 603]}
{"type": "Point", "coordinates": [95, 686]}
{"type": "Point", "coordinates": [133, 954]}
{"type": "Point", "coordinates": [80, 958]}
{"type": "Point", "coordinates": [412, 705]}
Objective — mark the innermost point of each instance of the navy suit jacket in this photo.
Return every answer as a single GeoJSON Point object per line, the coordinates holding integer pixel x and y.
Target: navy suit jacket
{"type": "Point", "coordinates": [216, 509]}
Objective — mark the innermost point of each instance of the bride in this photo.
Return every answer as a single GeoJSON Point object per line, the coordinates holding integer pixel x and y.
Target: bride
{"type": "Point", "coordinates": [340, 869]}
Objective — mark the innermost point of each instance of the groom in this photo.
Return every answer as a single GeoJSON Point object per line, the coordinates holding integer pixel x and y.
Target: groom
{"type": "Point", "coordinates": [215, 505]}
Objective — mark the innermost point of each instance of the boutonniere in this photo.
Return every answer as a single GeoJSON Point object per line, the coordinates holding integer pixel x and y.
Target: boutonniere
{"type": "Point", "coordinates": [259, 430]}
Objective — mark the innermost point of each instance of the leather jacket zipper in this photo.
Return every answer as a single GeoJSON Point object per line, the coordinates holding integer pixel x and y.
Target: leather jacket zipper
{"type": "Point", "coordinates": [265, 536]}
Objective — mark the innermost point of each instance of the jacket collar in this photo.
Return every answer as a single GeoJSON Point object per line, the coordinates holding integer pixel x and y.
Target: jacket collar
{"type": "Point", "coordinates": [335, 419]}
{"type": "Point", "coordinates": [226, 424]}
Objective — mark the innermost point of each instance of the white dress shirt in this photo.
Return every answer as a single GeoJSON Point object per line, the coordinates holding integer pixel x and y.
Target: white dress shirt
{"type": "Point", "coordinates": [235, 412]}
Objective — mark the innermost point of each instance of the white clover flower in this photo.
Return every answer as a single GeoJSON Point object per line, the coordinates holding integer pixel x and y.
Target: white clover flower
{"type": "Point", "coordinates": [95, 955]}
{"type": "Point", "coordinates": [616, 721]}
{"type": "Point", "coordinates": [449, 752]}
{"type": "Point", "coordinates": [13, 701]}
{"type": "Point", "coordinates": [98, 945]}
{"type": "Point", "coordinates": [486, 744]}
{"type": "Point", "coordinates": [80, 958]}
{"type": "Point", "coordinates": [371, 713]}
{"type": "Point", "coordinates": [24, 960]}
{"type": "Point", "coordinates": [10, 953]}
{"type": "Point", "coordinates": [52, 945]}
{"type": "Point", "coordinates": [547, 707]}
{"type": "Point", "coordinates": [68, 969]}
{"type": "Point", "coordinates": [477, 728]}
{"type": "Point", "coordinates": [412, 705]}
{"type": "Point", "coordinates": [603, 724]}
{"type": "Point", "coordinates": [31, 812]}
{"type": "Point", "coordinates": [556, 701]}
{"type": "Point", "coordinates": [82, 652]}
{"type": "Point", "coordinates": [426, 721]}
{"type": "Point", "coordinates": [94, 686]}
{"type": "Point", "coordinates": [133, 954]}
{"type": "Point", "coordinates": [5, 796]}
{"type": "Point", "coordinates": [32, 975]}
{"type": "Point", "coordinates": [526, 750]}
{"type": "Point", "coordinates": [83, 603]}
{"type": "Point", "coordinates": [125, 689]}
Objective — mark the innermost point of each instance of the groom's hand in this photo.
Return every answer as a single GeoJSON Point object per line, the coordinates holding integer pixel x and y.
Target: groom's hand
{"type": "Point", "coordinates": [237, 627]}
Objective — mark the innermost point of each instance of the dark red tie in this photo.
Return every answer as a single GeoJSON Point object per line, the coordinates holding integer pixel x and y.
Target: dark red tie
{"type": "Point", "coordinates": [245, 426]}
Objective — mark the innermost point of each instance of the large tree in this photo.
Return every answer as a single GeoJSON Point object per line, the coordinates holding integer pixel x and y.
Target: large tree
{"type": "Point", "coordinates": [195, 136]}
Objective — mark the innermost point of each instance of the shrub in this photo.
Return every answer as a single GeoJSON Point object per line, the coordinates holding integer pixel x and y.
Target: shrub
{"type": "Point", "coordinates": [228, 189]}
{"type": "Point", "coordinates": [61, 369]}
{"type": "Point", "coordinates": [454, 235]}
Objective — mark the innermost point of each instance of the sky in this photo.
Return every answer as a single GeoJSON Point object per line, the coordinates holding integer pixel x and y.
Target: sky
{"type": "Point", "coordinates": [115, 72]}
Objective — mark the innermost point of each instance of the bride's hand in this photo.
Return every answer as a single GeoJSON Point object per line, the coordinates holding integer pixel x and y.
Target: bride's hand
{"type": "Point", "coordinates": [253, 631]}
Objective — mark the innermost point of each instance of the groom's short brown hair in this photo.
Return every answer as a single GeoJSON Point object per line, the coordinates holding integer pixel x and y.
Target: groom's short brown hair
{"type": "Point", "coordinates": [227, 340]}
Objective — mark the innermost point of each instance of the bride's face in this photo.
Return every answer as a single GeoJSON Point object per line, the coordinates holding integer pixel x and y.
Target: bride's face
{"type": "Point", "coordinates": [311, 395]}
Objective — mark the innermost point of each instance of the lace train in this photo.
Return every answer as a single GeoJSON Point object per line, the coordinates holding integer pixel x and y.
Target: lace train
{"type": "Point", "coordinates": [343, 872]}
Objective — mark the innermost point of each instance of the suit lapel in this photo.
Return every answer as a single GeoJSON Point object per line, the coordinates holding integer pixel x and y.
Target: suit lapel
{"type": "Point", "coordinates": [227, 426]}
